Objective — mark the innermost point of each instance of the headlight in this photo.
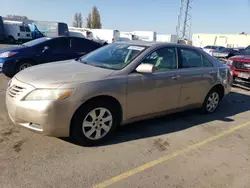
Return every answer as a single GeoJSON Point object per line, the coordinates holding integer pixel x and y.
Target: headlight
{"type": "Point", "coordinates": [7, 54]}
{"type": "Point", "coordinates": [48, 94]}
{"type": "Point", "coordinates": [229, 62]}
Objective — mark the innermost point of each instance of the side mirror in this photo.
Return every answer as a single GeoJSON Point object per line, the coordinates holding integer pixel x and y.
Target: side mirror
{"type": "Point", "coordinates": [45, 48]}
{"type": "Point", "coordinates": [145, 68]}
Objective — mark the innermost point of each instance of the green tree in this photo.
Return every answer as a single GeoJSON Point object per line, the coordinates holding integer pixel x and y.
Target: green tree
{"type": "Point", "coordinates": [95, 19]}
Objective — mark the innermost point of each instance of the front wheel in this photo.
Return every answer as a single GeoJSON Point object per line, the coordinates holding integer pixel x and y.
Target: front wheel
{"type": "Point", "coordinates": [211, 102]}
{"type": "Point", "coordinates": [23, 65]}
{"type": "Point", "coordinates": [95, 122]}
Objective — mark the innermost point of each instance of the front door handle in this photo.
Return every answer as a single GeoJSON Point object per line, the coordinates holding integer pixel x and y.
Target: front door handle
{"type": "Point", "coordinates": [176, 77]}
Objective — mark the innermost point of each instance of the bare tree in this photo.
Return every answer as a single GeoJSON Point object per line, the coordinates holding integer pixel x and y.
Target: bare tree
{"type": "Point", "coordinates": [96, 19]}
{"type": "Point", "coordinates": [89, 21]}
{"type": "Point", "coordinates": [77, 20]}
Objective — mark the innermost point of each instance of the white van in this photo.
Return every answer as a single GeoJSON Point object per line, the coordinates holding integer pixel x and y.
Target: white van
{"type": "Point", "coordinates": [145, 35]}
{"type": "Point", "coordinates": [16, 31]}
{"type": "Point", "coordinates": [128, 35]}
{"type": "Point", "coordinates": [107, 35]}
{"type": "Point", "coordinates": [167, 38]}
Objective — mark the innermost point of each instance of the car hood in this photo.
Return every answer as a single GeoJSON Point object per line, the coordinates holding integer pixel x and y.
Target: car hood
{"type": "Point", "coordinates": [59, 73]}
{"type": "Point", "coordinates": [245, 58]}
{"type": "Point", "coordinates": [12, 48]}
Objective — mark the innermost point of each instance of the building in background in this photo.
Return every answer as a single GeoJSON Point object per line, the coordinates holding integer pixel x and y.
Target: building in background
{"type": "Point", "coordinates": [226, 40]}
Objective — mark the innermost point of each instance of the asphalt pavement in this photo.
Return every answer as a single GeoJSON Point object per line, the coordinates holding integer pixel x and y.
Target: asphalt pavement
{"type": "Point", "coordinates": [176, 151]}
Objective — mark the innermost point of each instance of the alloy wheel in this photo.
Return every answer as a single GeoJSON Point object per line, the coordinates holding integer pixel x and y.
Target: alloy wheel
{"type": "Point", "coordinates": [213, 102]}
{"type": "Point", "coordinates": [24, 66]}
{"type": "Point", "coordinates": [97, 123]}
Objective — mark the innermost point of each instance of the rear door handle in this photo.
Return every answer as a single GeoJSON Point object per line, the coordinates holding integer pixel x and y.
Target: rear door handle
{"type": "Point", "coordinates": [212, 72]}
{"type": "Point", "coordinates": [176, 77]}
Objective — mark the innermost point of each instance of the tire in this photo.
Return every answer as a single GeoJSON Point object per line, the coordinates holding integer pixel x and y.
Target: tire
{"type": "Point", "coordinates": [11, 40]}
{"type": "Point", "coordinates": [89, 132]}
{"type": "Point", "coordinates": [23, 65]}
{"type": "Point", "coordinates": [211, 102]}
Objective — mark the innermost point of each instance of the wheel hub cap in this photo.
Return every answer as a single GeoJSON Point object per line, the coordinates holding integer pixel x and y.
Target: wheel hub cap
{"type": "Point", "coordinates": [213, 101]}
{"type": "Point", "coordinates": [97, 123]}
{"type": "Point", "coordinates": [24, 66]}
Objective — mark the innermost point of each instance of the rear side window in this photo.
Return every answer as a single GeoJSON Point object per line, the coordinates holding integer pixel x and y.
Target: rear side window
{"type": "Point", "coordinates": [22, 29]}
{"type": "Point", "coordinates": [83, 45]}
{"type": "Point", "coordinates": [61, 44]}
{"type": "Point", "coordinates": [192, 59]}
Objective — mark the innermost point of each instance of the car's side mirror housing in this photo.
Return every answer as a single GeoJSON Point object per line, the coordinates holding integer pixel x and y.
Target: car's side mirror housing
{"type": "Point", "coordinates": [145, 68]}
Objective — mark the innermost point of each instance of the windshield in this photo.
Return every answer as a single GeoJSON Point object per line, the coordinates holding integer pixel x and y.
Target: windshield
{"type": "Point", "coordinates": [226, 50]}
{"type": "Point", "coordinates": [246, 51]}
{"type": "Point", "coordinates": [114, 56]}
{"type": "Point", "coordinates": [36, 41]}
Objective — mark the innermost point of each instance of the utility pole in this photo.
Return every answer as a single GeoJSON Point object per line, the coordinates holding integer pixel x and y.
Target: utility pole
{"type": "Point", "coordinates": [183, 28]}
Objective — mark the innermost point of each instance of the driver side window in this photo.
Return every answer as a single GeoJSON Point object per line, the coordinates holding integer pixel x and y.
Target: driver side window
{"type": "Point", "coordinates": [162, 59]}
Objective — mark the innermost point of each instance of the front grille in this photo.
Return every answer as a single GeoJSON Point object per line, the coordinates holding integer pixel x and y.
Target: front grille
{"type": "Point", "coordinates": [15, 90]}
{"type": "Point", "coordinates": [241, 65]}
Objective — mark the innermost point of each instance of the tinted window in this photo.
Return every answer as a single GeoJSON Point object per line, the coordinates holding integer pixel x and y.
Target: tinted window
{"type": "Point", "coordinates": [208, 47]}
{"type": "Point", "coordinates": [226, 50]}
{"type": "Point", "coordinates": [22, 28]}
{"type": "Point", "coordinates": [246, 51]}
{"type": "Point", "coordinates": [206, 63]}
{"type": "Point", "coordinates": [27, 29]}
{"type": "Point", "coordinates": [191, 59]}
{"type": "Point", "coordinates": [162, 59]}
{"type": "Point", "coordinates": [83, 45]}
{"type": "Point", "coordinates": [36, 41]}
{"type": "Point", "coordinates": [63, 29]}
{"type": "Point", "coordinates": [220, 48]}
{"type": "Point", "coordinates": [59, 44]}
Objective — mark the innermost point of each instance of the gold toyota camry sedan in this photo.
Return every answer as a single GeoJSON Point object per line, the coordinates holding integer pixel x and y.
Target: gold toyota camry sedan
{"type": "Point", "coordinates": [119, 83]}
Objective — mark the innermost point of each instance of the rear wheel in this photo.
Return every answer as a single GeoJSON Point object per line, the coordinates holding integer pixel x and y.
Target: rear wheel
{"type": "Point", "coordinates": [211, 101]}
{"type": "Point", "coordinates": [95, 122]}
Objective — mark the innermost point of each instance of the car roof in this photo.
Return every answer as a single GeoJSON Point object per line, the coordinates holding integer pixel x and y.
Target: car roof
{"type": "Point", "coordinates": [154, 44]}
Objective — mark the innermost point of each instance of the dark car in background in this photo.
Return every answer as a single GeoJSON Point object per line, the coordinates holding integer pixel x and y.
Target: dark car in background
{"type": "Point", "coordinates": [1, 29]}
{"type": "Point", "coordinates": [225, 53]}
{"type": "Point", "coordinates": [43, 50]}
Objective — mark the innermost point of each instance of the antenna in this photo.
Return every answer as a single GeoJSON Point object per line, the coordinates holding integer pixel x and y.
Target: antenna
{"type": "Point", "coordinates": [183, 28]}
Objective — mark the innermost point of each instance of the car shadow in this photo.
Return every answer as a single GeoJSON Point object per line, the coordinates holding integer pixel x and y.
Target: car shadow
{"type": "Point", "coordinates": [233, 104]}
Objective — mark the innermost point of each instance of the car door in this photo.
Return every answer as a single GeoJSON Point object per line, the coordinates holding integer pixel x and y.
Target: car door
{"type": "Point", "coordinates": [155, 92]}
{"type": "Point", "coordinates": [197, 74]}
{"type": "Point", "coordinates": [58, 50]}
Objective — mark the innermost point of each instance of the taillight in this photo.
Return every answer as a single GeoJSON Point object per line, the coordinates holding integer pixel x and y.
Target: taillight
{"type": "Point", "coordinates": [211, 51]}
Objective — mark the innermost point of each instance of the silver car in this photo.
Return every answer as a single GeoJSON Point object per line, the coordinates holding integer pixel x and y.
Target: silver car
{"type": "Point", "coordinates": [119, 83]}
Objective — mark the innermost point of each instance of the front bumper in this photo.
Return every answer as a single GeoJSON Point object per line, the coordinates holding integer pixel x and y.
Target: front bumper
{"type": "Point", "coordinates": [50, 118]}
{"type": "Point", "coordinates": [7, 66]}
